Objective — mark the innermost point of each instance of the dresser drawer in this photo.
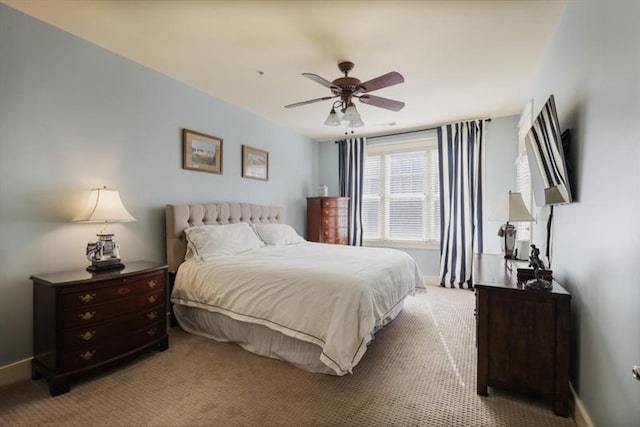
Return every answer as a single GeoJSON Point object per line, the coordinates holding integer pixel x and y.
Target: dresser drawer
{"type": "Point", "coordinates": [334, 221]}
{"type": "Point", "coordinates": [326, 212]}
{"type": "Point", "coordinates": [106, 349]}
{"type": "Point", "coordinates": [91, 334]}
{"type": "Point", "coordinates": [334, 203]}
{"type": "Point", "coordinates": [95, 313]}
{"type": "Point", "coordinates": [333, 235]}
{"type": "Point", "coordinates": [112, 290]}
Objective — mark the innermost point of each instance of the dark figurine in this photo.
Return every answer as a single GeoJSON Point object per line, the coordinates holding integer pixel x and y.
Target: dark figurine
{"type": "Point", "coordinates": [536, 263]}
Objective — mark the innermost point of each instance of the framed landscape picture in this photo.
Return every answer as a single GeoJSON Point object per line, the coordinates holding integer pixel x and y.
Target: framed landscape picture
{"type": "Point", "coordinates": [255, 163]}
{"type": "Point", "coordinates": [201, 152]}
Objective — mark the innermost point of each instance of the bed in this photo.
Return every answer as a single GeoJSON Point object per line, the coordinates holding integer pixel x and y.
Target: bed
{"type": "Point", "coordinates": [313, 305]}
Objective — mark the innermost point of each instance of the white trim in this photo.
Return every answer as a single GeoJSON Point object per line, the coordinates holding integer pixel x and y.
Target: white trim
{"type": "Point", "coordinates": [431, 280]}
{"type": "Point", "coordinates": [15, 372]}
{"type": "Point", "coordinates": [580, 414]}
{"type": "Point", "coordinates": [408, 244]}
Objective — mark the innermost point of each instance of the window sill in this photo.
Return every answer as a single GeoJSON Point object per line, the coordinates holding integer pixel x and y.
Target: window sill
{"type": "Point", "coordinates": [401, 244]}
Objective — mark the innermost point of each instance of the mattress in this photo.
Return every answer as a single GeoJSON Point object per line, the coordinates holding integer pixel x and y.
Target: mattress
{"type": "Point", "coordinates": [332, 297]}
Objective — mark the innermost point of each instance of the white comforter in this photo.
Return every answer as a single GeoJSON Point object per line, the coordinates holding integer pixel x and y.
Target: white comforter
{"type": "Point", "coordinates": [330, 295]}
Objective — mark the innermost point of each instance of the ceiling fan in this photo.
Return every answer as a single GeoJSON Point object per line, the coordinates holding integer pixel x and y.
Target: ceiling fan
{"type": "Point", "coordinates": [346, 88]}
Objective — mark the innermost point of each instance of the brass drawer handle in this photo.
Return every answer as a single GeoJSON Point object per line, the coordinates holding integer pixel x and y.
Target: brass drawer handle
{"type": "Point", "coordinates": [87, 297]}
{"type": "Point", "coordinates": [152, 315]}
{"type": "Point", "coordinates": [123, 291]}
{"type": "Point", "coordinates": [152, 298]}
{"type": "Point", "coordinates": [151, 332]}
{"type": "Point", "coordinates": [152, 283]}
{"type": "Point", "coordinates": [88, 335]}
{"type": "Point", "coordinates": [87, 355]}
{"type": "Point", "coordinates": [87, 316]}
{"type": "Point", "coordinates": [326, 212]}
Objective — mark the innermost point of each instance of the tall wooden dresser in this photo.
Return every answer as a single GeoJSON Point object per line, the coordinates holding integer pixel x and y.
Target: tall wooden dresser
{"type": "Point", "coordinates": [84, 321]}
{"type": "Point", "coordinates": [327, 219]}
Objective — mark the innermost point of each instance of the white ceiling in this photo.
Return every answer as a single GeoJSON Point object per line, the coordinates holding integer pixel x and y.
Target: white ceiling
{"type": "Point", "coordinates": [460, 59]}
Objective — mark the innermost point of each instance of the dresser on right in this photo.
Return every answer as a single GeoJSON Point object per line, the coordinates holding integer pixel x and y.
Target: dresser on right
{"type": "Point", "coordinates": [522, 335]}
{"type": "Point", "coordinates": [327, 219]}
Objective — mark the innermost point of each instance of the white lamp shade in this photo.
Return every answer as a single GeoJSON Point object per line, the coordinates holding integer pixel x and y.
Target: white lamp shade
{"type": "Point", "coordinates": [104, 206]}
{"type": "Point", "coordinates": [511, 209]}
{"type": "Point", "coordinates": [332, 119]}
{"type": "Point", "coordinates": [356, 123]}
{"type": "Point", "coordinates": [351, 114]}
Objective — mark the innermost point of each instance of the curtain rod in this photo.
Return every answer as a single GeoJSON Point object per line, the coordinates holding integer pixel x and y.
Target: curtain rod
{"type": "Point", "coordinates": [410, 131]}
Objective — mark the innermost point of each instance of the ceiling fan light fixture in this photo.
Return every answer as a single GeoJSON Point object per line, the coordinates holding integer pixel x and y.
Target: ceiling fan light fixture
{"type": "Point", "coordinates": [350, 113]}
{"type": "Point", "coordinates": [356, 123]}
{"type": "Point", "coordinates": [332, 118]}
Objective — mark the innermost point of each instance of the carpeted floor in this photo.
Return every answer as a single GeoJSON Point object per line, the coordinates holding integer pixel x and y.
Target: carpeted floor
{"type": "Point", "coordinates": [419, 371]}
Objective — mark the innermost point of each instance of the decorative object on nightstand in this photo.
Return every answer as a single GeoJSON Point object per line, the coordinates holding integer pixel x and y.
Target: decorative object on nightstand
{"type": "Point", "coordinates": [323, 191]}
{"type": "Point", "coordinates": [83, 322]}
{"type": "Point", "coordinates": [105, 207]}
{"type": "Point", "coordinates": [510, 209]}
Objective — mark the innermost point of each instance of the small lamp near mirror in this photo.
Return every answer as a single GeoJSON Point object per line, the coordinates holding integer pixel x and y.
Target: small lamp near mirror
{"type": "Point", "coordinates": [510, 209]}
{"type": "Point", "coordinates": [105, 207]}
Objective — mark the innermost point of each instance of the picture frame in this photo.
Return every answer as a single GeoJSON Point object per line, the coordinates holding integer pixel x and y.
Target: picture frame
{"type": "Point", "coordinates": [201, 152]}
{"type": "Point", "coordinates": [255, 163]}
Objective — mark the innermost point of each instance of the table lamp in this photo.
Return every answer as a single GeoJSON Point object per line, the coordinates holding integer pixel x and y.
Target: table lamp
{"type": "Point", "coordinates": [510, 209]}
{"type": "Point", "coordinates": [104, 206]}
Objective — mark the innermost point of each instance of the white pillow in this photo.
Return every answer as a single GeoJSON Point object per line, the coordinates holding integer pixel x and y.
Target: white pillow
{"type": "Point", "coordinates": [277, 234]}
{"type": "Point", "coordinates": [208, 241]}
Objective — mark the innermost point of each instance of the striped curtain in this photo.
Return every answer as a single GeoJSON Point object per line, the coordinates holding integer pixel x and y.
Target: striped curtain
{"type": "Point", "coordinates": [460, 157]}
{"type": "Point", "coordinates": [350, 179]}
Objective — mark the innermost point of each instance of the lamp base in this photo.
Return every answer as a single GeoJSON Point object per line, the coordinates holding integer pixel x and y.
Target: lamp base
{"type": "Point", "coordinates": [105, 265]}
{"type": "Point", "coordinates": [508, 241]}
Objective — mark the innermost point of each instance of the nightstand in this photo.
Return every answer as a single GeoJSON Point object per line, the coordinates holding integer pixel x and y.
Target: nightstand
{"type": "Point", "coordinates": [522, 335]}
{"type": "Point", "coordinates": [83, 322]}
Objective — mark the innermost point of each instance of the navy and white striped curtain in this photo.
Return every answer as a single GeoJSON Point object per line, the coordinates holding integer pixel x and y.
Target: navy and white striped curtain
{"type": "Point", "coordinates": [350, 179]}
{"type": "Point", "coordinates": [460, 156]}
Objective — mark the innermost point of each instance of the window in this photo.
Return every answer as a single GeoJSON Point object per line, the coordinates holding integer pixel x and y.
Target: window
{"type": "Point", "coordinates": [401, 194]}
{"type": "Point", "coordinates": [523, 177]}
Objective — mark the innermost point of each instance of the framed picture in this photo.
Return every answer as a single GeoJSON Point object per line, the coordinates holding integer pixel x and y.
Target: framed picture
{"type": "Point", "coordinates": [201, 152]}
{"type": "Point", "coordinates": [255, 163]}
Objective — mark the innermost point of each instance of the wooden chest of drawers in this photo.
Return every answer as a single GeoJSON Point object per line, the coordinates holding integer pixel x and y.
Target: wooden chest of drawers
{"type": "Point", "coordinates": [327, 219]}
{"type": "Point", "coordinates": [522, 335]}
{"type": "Point", "coordinates": [83, 321]}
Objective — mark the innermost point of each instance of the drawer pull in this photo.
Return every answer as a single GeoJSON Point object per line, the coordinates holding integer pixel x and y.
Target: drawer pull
{"type": "Point", "coordinates": [151, 332]}
{"type": "Point", "coordinates": [152, 283]}
{"type": "Point", "coordinates": [88, 335]}
{"type": "Point", "coordinates": [152, 298]}
{"type": "Point", "coordinates": [87, 355]}
{"type": "Point", "coordinates": [87, 297]}
{"type": "Point", "coordinates": [123, 291]}
{"type": "Point", "coordinates": [326, 212]}
{"type": "Point", "coordinates": [152, 315]}
{"type": "Point", "coordinates": [326, 233]}
{"type": "Point", "coordinates": [87, 316]}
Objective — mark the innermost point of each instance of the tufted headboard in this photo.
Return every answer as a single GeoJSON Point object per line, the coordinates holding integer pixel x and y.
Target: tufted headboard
{"type": "Point", "coordinates": [180, 217]}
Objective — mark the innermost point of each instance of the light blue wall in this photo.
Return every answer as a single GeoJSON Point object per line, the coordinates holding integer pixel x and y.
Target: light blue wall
{"type": "Point", "coordinates": [501, 150]}
{"type": "Point", "coordinates": [74, 116]}
{"type": "Point", "coordinates": [593, 69]}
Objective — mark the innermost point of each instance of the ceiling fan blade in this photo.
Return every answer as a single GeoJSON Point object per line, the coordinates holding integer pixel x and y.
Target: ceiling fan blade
{"type": "Point", "coordinates": [311, 101]}
{"type": "Point", "coordinates": [324, 82]}
{"type": "Point", "coordinates": [386, 80]}
{"type": "Point", "coordinates": [378, 101]}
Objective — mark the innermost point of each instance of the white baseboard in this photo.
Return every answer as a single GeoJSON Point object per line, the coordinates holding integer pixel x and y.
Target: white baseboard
{"type": "Point", "coordinates": [580, 414]}
{"type": "Point", "coordinates": [15, 372]}
{"type": "Point", "coordinates": [431, 280]}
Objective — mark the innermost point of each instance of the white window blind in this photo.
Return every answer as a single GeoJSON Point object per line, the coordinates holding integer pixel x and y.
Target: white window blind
{"type": "Point", "coordinates": [401, 200]}
{"type": "Point", "coordinates": [523, 177]}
